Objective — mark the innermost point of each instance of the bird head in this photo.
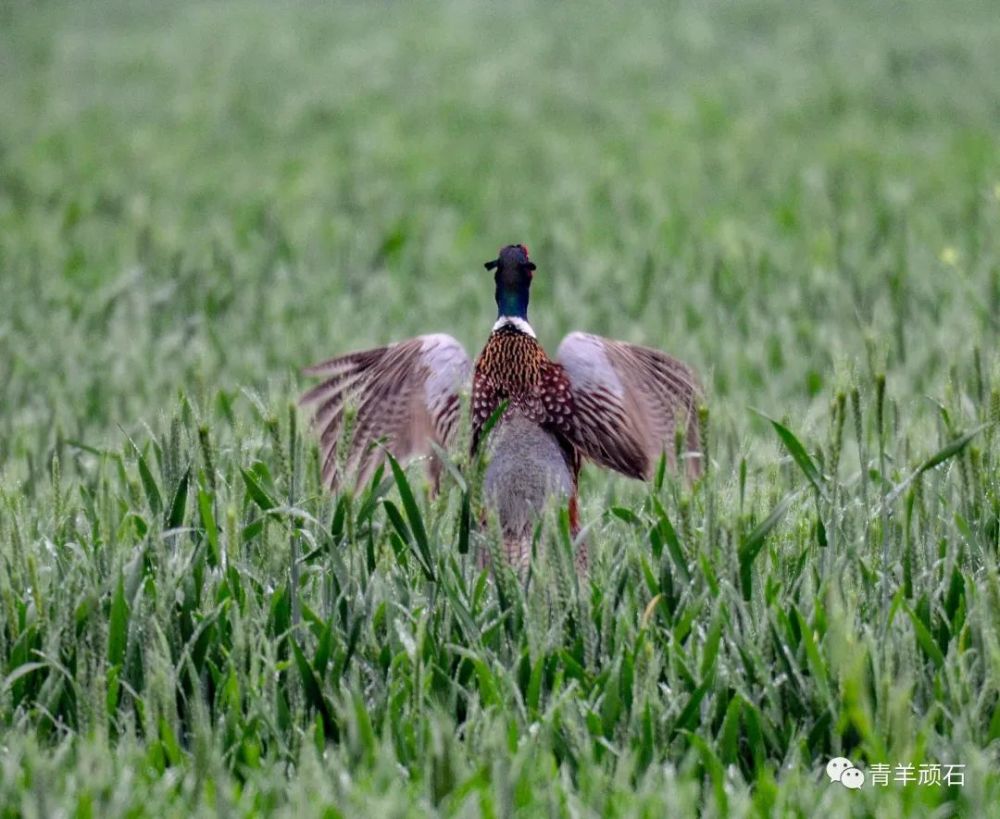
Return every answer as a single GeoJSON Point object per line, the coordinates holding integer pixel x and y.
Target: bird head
{"type": "Point", "coordinates": [513, 274]}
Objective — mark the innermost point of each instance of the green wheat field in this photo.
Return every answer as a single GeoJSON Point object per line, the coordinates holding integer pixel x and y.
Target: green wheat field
{"type": "Point", "coordinates": [196, 200]}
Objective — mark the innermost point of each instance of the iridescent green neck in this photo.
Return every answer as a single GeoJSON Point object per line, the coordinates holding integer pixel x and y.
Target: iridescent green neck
{"type": "Point", "coordinates": [512, 301]}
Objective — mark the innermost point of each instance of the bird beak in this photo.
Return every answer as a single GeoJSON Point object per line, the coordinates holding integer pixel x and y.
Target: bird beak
{"type": "Point", "coordinates": [493, 265]}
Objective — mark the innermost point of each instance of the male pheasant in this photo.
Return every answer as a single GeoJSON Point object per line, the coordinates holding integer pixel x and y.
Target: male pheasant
{"type": "Point", "coordinates": [614, 403]}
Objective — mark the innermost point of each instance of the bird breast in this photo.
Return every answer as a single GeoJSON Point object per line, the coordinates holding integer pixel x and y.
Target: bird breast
{"type": "Point", "coordinates": [526, 468]}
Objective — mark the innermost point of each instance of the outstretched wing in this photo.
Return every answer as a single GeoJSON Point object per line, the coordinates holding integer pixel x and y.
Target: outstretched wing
{"type": "Point", "coordinates": [406, 393]}
{"type": "Point", "coordinates": [628, 401]}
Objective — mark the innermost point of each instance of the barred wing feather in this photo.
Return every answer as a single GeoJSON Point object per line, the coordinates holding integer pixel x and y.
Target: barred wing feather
{"type": "Point", "coordinates": [628, 401]}
{"type": "Point", "coordinates": [406, 394]}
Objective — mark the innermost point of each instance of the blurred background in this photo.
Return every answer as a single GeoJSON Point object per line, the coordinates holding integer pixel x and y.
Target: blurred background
{"type": "Point", "coordinates": [197, 199]}
{"type": "Point", "coordinates": [201, 197]}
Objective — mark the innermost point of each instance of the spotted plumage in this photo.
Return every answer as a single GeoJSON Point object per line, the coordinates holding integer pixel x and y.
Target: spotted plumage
{"type": "Point", "coordinates": [513, 368]}
{"type": "Point", "coordinates": [616, 404]}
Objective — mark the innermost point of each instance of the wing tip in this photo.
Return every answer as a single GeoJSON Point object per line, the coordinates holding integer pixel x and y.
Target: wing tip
{"type": "Point", "coordinates": [312, 395]}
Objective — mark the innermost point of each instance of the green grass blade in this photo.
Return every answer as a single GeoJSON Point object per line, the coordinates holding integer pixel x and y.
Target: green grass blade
{"type": "Point", "coordinates": [313, 692]}
{"type": "Point", "coordinates": [414, 517]}
{"type": "Point", "coordinates": [149, 485]}
{"type": "Point", "coordinates": [754, 542]}
{"type": "Point", "coordinates": [256, 491]}
{"type": "Point", "coordinates": [669, 537]}
{"type": "Point", "coordinates": [799, 455]}
{"type": "Point", "coordinates": [950, 450]}
{"type": "Point", "coordinates": [175, 518]}
{"type": "Point", "coordinates": [211, 529]}
{"type": "Point", "coordinates": [118, 625]}
{"type": "Point", "coordinates": [924, 638]}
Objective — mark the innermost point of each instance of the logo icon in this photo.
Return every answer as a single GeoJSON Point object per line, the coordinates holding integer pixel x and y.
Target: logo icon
{"type": "Point", "coordinates": [841, 769]}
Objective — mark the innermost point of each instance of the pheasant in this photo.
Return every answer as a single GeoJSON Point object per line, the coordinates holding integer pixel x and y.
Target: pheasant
{"type": "Point", "coordinates": [610, 402]}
